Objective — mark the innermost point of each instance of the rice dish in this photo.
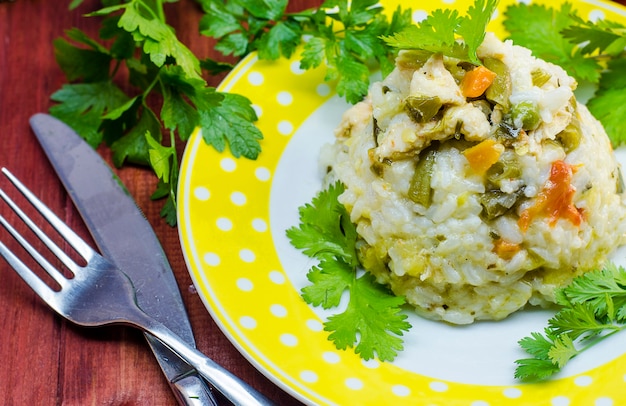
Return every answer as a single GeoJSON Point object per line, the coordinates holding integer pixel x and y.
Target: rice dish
{"type": "Point", "coordinates": [472, 206]}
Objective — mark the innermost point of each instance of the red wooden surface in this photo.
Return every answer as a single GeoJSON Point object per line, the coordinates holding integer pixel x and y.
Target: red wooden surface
{"type": "Point", "coordinates": [46, 361]}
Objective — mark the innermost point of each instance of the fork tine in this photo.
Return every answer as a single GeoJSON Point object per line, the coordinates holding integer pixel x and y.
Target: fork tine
{"type": "Point", "coordinates": [36, 284]}
{"type": "Point", "coordinates": [52, 271]}
{"type": "Point", "coordinates": [41, 260]}
{"type": "Point", "coordinates": [81, 247]}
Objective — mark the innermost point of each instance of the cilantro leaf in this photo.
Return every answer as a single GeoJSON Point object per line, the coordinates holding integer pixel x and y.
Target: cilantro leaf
{"type": "Point", "coordinates": [538, 28]}
{"type": "Point", "coordinates": [132, 147]}
{"type": "Point", "coordinates": [596, 288]}
{"type": "Point", "coordinates": [372, 320]}
{"type": "Point", "coordinates": [434, 34]}
{"type": "Point", "coordinates": [609, 102]}
{"type": "Point", "coordinates": [281, 39]}
{"type": "Point", "coordinates": [325, 230]}
{"type": "Point", "coordinates": [372, 323]}
{"type": "Point", "coordinates": [473, 26]}
{"type": "Point", "coordinates": [231, 121]}
{"type": "Point", "coordinates": [576, 320]}
{"type": "Point", "coordinates": [534, 369]}
{"type": "Point", "coordinates": [138, 36]}
{"type": "Point", "coordinates": [537, 345]}
{"type": "Point", "coordinates": [438, 32]}
{"type": "Point", "coordinates": [159, 39]}
{"type": "Point", "coordinates": [329, 280]}
{"type": "Point", "coordinates": [352, 77]}
{"type": "Point", "coordinates": [602, 36]}
{"type": "Point", "coordinates": [78, 63]}
{"type": "Point", "coordinates": [593, 307]}
{"type": "Point", "coordinates": [562, 350]}
{"type": "Point", "coordinates": [82, 105]}
{"type": "Point", "coordinates": [344, 35]}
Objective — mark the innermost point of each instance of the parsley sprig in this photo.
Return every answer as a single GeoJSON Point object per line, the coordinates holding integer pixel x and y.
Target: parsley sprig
{"type": "Point", "coordinates": [372, 322]}
{"type": "Point", "coordinates": [159, 67]}
{"type": "Point", "coordinates": [440, 32]}
{"type": "Point", "coordinates": [591, 52]}
{"type": "Point", "coordinates": [344, 36]}
{"type": "Point", "coordinates": [593, 308]}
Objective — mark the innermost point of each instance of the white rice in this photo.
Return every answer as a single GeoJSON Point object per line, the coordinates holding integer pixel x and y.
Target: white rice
{"type": "Point", "coordinates": [442, 255]}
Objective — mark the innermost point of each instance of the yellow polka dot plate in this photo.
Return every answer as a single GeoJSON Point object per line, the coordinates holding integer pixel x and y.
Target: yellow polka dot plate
{"type": "Point", "coordinates": [233, 214]}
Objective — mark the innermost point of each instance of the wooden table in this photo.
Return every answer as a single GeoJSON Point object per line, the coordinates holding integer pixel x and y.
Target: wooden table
{"type": "Point", "coordinates": [45, 360]}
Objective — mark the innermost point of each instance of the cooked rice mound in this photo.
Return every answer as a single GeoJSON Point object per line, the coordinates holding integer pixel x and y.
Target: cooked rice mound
{"type": "Point", "coordinates": [472, 206]}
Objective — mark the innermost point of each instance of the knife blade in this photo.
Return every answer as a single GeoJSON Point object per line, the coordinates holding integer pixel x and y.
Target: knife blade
{"type": "Point", "coordinates": [124, 236]}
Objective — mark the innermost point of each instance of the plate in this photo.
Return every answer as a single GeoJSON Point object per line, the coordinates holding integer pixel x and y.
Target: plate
{"type": "Point", "coordinates": [233, 214]}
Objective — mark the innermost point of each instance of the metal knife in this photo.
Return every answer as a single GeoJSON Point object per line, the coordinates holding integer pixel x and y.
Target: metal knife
{"type": "Point", "coordinates": [124, 236]}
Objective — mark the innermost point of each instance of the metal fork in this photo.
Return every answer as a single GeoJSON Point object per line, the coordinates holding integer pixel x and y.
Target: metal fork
{"type": "Point", "coordinates": [100, 294]}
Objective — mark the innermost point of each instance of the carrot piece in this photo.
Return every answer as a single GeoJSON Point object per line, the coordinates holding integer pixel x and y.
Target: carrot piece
{"type": "Point", "coordinates": [483, 155]}
{"type": "Point", "coordinates": [505, 249]}
{"type": "Point", "coordinates": [555, 199]}
{"type": "Point", "coordinates": [476, 81]}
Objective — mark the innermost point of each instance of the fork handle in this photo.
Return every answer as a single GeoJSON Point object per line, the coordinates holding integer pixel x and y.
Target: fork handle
{"type": "Point", "coordinates": [230, 386]}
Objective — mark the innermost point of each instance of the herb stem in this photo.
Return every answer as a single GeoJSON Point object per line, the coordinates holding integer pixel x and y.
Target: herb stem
{"type": "Point", "coordinates": [614, 329]}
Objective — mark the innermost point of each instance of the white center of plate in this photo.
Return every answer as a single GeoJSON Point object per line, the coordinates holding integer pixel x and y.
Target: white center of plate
{"type": "Point", "coordinates": [482, 353]}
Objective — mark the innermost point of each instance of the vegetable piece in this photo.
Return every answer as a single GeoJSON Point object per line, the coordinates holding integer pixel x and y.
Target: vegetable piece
{"type": "Point", "coordinates": [526, 115]}
{"type": "Point", "coordinates": [457, 69]}
{"type": "Point", "coordinates": [497, 203]}
{"type": "Point", "coordinates": [555, 199]}
{"type": "Point", "coordinates": [484, 106]}
{"type": "Point", "coordinates": [483, 155]}
{"type": "Point", "coordinates": [506, 132]}
{"type": "Point", "coordinates": [571, 135]}
{"type": "Point", "coordinates": [372, 322]}
{"type": "Point", "coordinates": [504, 169]}
{"type": "Point", "coordinates": [419, 188]}
{"type": "Point", "coordinates": [476, 81]}
{"type": "Point", "coordinates": [505, 249]}
{"type": "Point", "coordinates": [593, 308]}
{"type": "Point", "coordinates": [502, 87]}
{"type": "Point", "coordinates": [589, 51]}
{"type": "Point", "coordinates": [540, 77]}
{"type": "Point", "coordinates": [422, 108]}
{"type": "Point", "coordinates": [412, 59]}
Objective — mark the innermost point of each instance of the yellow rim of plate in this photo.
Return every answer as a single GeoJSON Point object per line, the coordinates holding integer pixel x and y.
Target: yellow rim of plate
{"type": "Point", "coordinates": [224, 230]}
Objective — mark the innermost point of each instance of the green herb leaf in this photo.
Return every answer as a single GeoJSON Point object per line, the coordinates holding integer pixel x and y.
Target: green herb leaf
{"type": "Point", "coordinates": [533, 369]}
{"type": "Point", "coordinates": [589, 315]}
{"type": "Point", "coordinates": [539, 28]}
{"type": "Point", "coordinates": [372, 323]}
{"type": "Point", "coordinates": [373, 320]}
{"type": "Point", "coordinates": [609, 102]}
{"type": "Point", "coordinates": [344, 35]}
{"type": "Point", "coordinates": [325, 230]}
{"type": "Point", "coordinates": [132, 147]}
{"type": "Point", "coordinates": [438, 32]}
{"type": "Point", "coordinates": [329, 281]}
{"type": "Point", "coordinates": [602, 36]}
{"type": "Point", "coordinates": [473, 26]}
{"type": "Point", "coordinates": [231, 122]}
{"type": "Point", "coordinates": [82, 106]}
{"type": "Point", "coordinates": [139, 37]}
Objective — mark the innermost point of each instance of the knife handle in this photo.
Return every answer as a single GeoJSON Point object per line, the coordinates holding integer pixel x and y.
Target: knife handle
{"type": "Point", "coordinates": [233, 388]}
{"type": "Point", "coordinates": [188, 387]}
{"type": "Point", "coordinates": [193, 391]}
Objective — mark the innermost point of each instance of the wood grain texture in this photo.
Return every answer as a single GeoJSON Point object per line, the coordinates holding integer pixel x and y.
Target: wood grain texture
{"type": "Point", "coordinates": [45, 360]}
